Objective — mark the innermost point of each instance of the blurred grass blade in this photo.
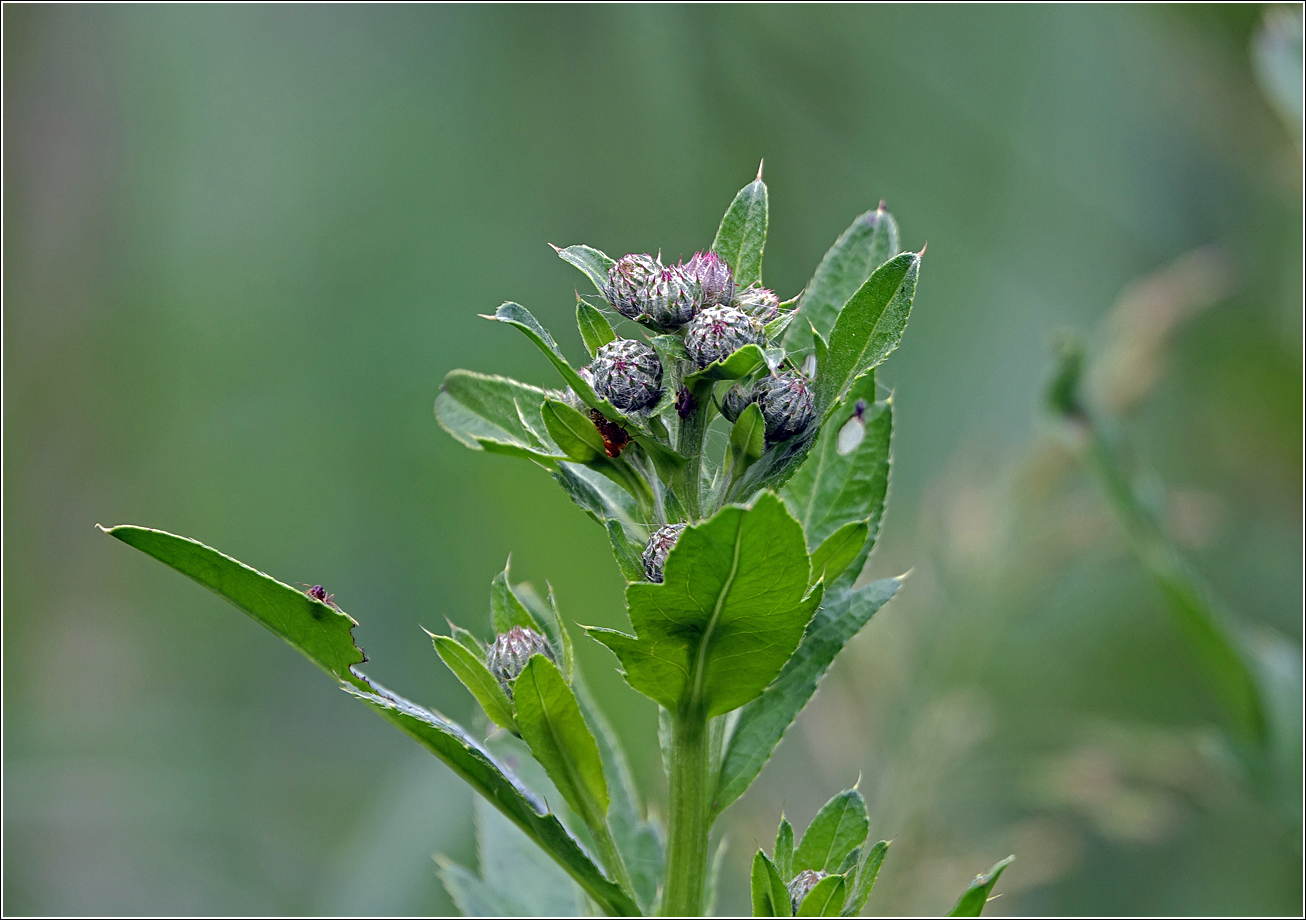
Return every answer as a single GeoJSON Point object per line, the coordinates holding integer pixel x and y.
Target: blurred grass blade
{"type": "Point", "coordinates": [825, 899]}
{"type": "Point", "coordinates": [322, 634]}
{"type": "Point", "coordinates": [972, 901]}
{"type": "Point", "coordinates": [869, 242]}
{"type": "Point", "coordinates": [838, 828]}
{"type": "Point", "coordinates": [742, 234]}
{"type": "Point", "coordinates": [868, 328]}
{"type": "Point", "coordinates": [770, 896]}
{"type": "Point", "coordinates": [763, 722]}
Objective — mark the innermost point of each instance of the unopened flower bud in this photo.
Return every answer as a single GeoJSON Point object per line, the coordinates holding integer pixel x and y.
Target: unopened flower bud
{"type": "Point", "coordinates": [736, 400]}
{"type": "Point", "coordinates": [787, 405]}
{"type": "Point", "coordinates": [672, 297]}
{"type": "Point", "coordinates": [718, 332]}
{"type": "Point", "coordinates": [804, 882]}
{"type": "Point", "coordinates": [714, 275]}
{"type": "Point", "coordinates": [510, 652]}
{"type": "Point", "coordinates": [628, 279]}
{"type": "Point", "coordinates": [627, 374]}
{"type": "Point", "coordinates": [759, 302]}
{"type": "Point", "coordinates": [659, 546]}
{"type": "Point", "coordinates": [569, 395]}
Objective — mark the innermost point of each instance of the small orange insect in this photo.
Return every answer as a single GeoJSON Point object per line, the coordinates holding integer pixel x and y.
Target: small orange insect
{"type": "Point", "coordinates": [615, 438]}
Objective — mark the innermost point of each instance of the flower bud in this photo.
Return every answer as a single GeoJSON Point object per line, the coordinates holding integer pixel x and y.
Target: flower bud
{"type": "Point", "coordinates": [736, 400]}
{"type": "Point", "coordinates": [510, 652]}
{"type": "Point", "coordinates": [759, 302]}
{"type": "Point", "coordinates": [714, 275]}
{"type": "Point", "coordinates": [787, 405]}
{"type": "Point", "coordinates": [718, 332]}
{"type": "Point", "coordinates": [627, 374]}
{"type": "Point", "coordinates": [804, 882]}
{"type": "Point", "coordinates": [628, 278]}
{"type": "Point", "coordinates": [672, 297]}
{"type": "Point", "coordinates": [659, 545]}
{"type": "Point", "coordinates": [569, 395]}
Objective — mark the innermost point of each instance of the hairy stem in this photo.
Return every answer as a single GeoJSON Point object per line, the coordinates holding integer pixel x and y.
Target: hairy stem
{"type": "Point", "coordinates": [690, 443]}
{"type": "Point", "coordinates": [690, 817]}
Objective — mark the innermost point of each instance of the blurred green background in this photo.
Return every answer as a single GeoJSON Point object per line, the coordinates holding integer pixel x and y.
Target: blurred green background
{"type": "Point", "coordinates": [243, 245]}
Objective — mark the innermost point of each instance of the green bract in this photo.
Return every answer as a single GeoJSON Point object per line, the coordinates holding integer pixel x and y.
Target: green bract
{"type": "Point", "coordinates": [741, 567]}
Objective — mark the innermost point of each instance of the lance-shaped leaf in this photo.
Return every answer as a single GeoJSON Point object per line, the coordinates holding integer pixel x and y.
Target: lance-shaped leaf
{"type": "Point", "coordinates": [506, 609]}
{"type": "Point", "coordinates": [730, 611]}
{"type": "Point", "coordinates": [868, 328]}
{"type": "Point", "coordinates": [846, 476]}
{"type": "Point", "coordinates": [321, 633]}
{"type": "Point", "coordinates": [972, 900]}
{"type": "Point", "coordinates": [737, 365]}
{"type": "Point", "coordinates": [742, 234]}
{"type": "Point", "coordinates": [595, 330]}
{"type": "Point", "coordinates": [550, 721]}
{"type": "Point", "coordinates": [573, 432]}
{"type": "Point", "coordinates": [837, 551]}
{"type": "Point", "coordinates": [496, 414]}
{"type": "Point", "coordinates": [763, 722]}
{"type": "Point", "coordinates": [470, 669]}
{"type": "Point", "coordinates": [838, 828]}
{"type": "Point", "coordinates": [825, 899]}
{"type": "Point", "coordinates": [593, 263]}
{"type": "Point", "coordinates": [866, 874]}
{"type": "Point", "coordinates": [870, 241]}
{"type": "Point", "coordinates": [748, 437]}
{"type": "Point", "coordinates": [770, 896]}
{"type": "Point", "coordinates": [784, 849]}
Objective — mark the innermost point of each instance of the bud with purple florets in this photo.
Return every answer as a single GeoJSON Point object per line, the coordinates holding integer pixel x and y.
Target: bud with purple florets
{"type": "Point", "coordinates": [672, 297]}
{"type": "Point", "coordinates": [803, 883]}
{"type": "Point", "coordinates": [718, 332]}
{"type": "Point", "coordinates": [659, 547]}
{"type": "Point", "coordinates": [628, 279]}
{"type": "Point", "coordinates": [787, 405]}
{"type": "Point", "coordinates": [715, 277]}
{"type": "Point", "coordinates": [627, 374]}
{"type": "Point", "coordinates": [511, 651]}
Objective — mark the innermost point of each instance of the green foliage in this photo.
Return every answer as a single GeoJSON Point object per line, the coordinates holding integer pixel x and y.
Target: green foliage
{"type": "Point", "coordinates": [742, 234]}
{"type": "Point", "coordinates": [470, 668]}
{"type": "Point", "coordinates": [972, 900]}
{"type": "Point", "coordinates": [770, 896]}
{"type": "Point", "coordinates": [595, 330]}
{"type": "Point", "coordinates": [824, 900]}
{"type": "Point", "coordinates": [838, 828]}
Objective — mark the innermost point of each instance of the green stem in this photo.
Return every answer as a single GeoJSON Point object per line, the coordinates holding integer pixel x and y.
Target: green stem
{"type": "Point", "coordinates": [690, 444]}
{"type": "Point", "coordinates": [690, 817]}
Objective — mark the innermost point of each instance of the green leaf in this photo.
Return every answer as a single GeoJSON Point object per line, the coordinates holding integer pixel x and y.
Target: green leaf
{"type": "Point", "coordinates": [476, 677]}
{"type": "Point", "coordinates": [784, 848]}
{"type": "Point", "coordinates": [866, 874]}
{"type": "Point", "coordinates": [837, 551]}
{"type": "Point", "coordinates": [870, 241]}
{"type": "Point", "coordinates": [845, 478]}
{"type": "Point", "coordinates": [472, 896]}
{"type": "Point", "coordinates": [573, 432]}
{"type": "Point", "coordinates": [763, 722]}
{"type": "Point", "coordinates": [730, 612]}
{"type": "Point", "coordinates": [495, 414]}
{"type": "Point", "coordinates": [838, 827]}
{"type": "Point", "coordinates": [545, 612]}
{"type": "Point", "coordinates": [742, 234]}
{"type": "Point", "coordinates": [669, 346]}
{"type": "Point", "coordinates": [738, 364]}
{"type": "Point", "coordinates": [506, 609]}
{"type": "Point", "coordinates": [593, 263]}
{"type": "Point", "coordinates": [321, 633]}
{"type": "Point", "coordinates": [972, 901]}
{"type": "Point", "coordinates": [868, 329]}
{"type": "Point", "coordinates": [516, 315]}
{"type": "Point", "coordinates": [550, 721]}
{"type": "Point", "coordinates": [466, 639]}
{"type": "Point", "coordinates": [825, 899]}
{"type": "Point", "coordinates": [595, 329]}
{"type": "Point", "coordinates": [770, 896]}
{"type": "Point", "coordinates": [748, 436]}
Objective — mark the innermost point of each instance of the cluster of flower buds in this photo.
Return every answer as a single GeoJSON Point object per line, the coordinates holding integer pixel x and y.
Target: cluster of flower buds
{"type": "Point", "coordinates": [715, 278]}
{"type": "Point", "coordinates": [718, 332]}
{"type": "Point", "coordinates": [787, 405]}
{"type": "Point", "coordinates": [671, 298]}
{"type": "Point", "coordinates": [641, 288]}
{"type": "Point", "coordinates": [510, 652]}
{"type": "Point", "coordinates": [627, 374]}
{"type": "Point", "coordinates": [736, 400]}
{"type": "Point", "coordinates": [628, 278]}
{"type": "Point", "coordinates": [659, 546]}
{"type": "Point", "coordinates": [803, 883]}
{"type": "Point", "coordinates": [761, 303]}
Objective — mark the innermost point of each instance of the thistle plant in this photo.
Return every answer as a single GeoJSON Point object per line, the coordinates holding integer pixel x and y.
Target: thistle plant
{"type": "Point", "coordinates": [741, 564]}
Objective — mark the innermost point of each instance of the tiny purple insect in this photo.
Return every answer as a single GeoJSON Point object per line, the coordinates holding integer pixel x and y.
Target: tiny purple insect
{"type": "Point", "coordinates": [319, 593]}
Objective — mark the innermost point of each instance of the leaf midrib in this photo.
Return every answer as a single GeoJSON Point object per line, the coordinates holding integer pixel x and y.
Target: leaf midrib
{"type": "Point", "coordinates": [870, 335]}
{"type": "Point", "coordinates": [700, 665]}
